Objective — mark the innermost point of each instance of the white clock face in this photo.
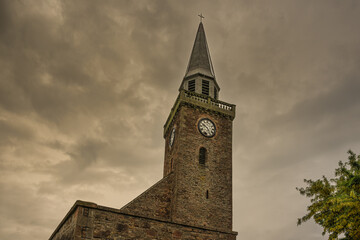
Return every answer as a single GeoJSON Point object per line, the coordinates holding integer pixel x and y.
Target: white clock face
{"type": "Point", "coordinates": [207, 127]}
{"type": "Point", "coordinates": [172, 137]}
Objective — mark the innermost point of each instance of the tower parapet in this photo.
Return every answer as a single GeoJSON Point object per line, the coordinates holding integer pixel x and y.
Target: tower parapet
{"type": "Point", "coordinates": [200, 100]}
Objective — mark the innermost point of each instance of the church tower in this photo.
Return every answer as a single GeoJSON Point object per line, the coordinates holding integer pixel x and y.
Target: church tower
{"type": "Point", "coordinates": [198, 146]}
{"type": "Point", "coordinates": [193, 200]}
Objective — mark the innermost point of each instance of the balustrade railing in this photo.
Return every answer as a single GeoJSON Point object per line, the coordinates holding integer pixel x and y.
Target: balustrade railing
{"type": "Point", "coordinates": [198, 98]}
{"type": "Point", "coordinates": [206, 99]}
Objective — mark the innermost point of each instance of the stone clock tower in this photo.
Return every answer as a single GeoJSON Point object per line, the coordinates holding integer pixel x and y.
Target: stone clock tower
{"type": "Point", "coordinates": [193, 200]}
{"type": "Point", "coordinates": [198, 146]}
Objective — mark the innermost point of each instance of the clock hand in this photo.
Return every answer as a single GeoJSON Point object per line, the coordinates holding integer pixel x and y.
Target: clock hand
{"type": "Point", "coordinates": [208, 129]}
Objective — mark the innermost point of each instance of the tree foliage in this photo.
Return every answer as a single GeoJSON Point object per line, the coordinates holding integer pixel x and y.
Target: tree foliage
{"type": "Point", "coordinates": [335, 203]}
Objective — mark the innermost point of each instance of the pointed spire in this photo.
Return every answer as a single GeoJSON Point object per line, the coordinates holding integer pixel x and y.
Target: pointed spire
{"type": "Point", "coordinates": [200, 61]}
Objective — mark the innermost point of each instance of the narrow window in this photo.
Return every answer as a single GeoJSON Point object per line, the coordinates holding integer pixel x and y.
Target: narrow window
{"type": "Point", "coordinates": [172, 165]}
{"type": "Point", "coordinates": [215, 93]}
{"type": "Point", "coordinates": [202, 155]}
{"type": "Point", "coordinates": [84, 231]}
{"type": "Point", "coordinates": [191, 86]}
{"type": "Point", "coordinates": [205, 87]}
{"type": "Point", "coordinates": [207, 194]}
{"type": "Point", "coordinates": [86, 212]}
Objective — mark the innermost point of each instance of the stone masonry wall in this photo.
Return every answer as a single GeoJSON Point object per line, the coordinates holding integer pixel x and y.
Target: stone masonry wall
{"type": "Point", "coordinates": [154, 202]}
{"type": "Point", "coordinates": [190, 202]}
{"type": "Point", "coordinates": [171, 153]}
{"type": "Point", "coordinates": [102, 223]}
{"type": "Point", "coordinates": [66, 229]}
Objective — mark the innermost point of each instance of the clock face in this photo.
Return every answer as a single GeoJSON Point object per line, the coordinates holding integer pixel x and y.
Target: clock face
{"type": "Point", "coordinates": [207, 127]}
{"type": "Point", "coordinates": [172, 137]}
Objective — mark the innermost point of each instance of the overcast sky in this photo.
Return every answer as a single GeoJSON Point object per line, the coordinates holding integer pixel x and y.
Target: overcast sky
{"type": "Point", "coordinates": [86, 87]}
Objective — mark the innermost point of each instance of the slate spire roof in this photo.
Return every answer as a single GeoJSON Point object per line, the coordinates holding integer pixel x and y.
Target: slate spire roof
{"type": "Point", "coordinates": [200, 61]}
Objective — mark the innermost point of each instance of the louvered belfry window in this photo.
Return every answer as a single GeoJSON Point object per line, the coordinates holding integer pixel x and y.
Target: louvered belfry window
{"type": "Point", "coordinates": [202, 155]}
{"type": "Point", "coordinates": [191, 86]}
{"type": "Point", "coordinates": [205, 87]}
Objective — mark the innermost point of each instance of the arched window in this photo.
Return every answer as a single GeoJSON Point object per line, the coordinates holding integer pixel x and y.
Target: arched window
{"type": "Point", "coordinates": [207, 194]}
{"type": "Point", "coordinates": [202, 155]}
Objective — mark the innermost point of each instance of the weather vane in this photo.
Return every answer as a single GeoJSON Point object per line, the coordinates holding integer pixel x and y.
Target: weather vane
{"type": "Point", "coordinates": [201, 17]}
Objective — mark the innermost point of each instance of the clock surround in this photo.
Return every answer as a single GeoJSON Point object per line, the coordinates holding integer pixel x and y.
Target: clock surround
{"type": "Point", "coordinates": [172, 137]}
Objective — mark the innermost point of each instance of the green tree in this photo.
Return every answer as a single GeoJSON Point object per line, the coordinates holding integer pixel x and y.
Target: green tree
{"type": "Point", "coordinates": [335, 203]}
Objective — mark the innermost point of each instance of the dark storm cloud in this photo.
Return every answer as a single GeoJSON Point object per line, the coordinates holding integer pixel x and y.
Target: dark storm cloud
{"type": "Point", "coordinates": [86, 87]}
{"type": "Point", "coordinates": [337, 107]}
{"type": "Point", "coordinates": [57, 62]}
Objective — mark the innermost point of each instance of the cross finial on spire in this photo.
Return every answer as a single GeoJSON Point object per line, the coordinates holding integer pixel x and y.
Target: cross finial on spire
{"type": "Point", "coordinates": [201, 17]}
{"type": "Point", "coordinates": [200, 61]}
